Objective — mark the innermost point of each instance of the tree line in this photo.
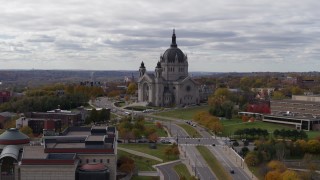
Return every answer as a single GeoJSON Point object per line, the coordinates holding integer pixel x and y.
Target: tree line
{"type": "Point", "coordinates": [50, 97]}
{"type": "Point", "coordinates": [251, 133]}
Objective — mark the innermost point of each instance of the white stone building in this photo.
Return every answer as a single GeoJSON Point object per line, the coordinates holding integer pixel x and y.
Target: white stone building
{"type": "Point", "coordinates": [170, 84]}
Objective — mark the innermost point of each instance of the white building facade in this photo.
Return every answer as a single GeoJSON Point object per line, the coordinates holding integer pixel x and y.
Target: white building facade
{"type": "Point", "coordinates": [170, 84]}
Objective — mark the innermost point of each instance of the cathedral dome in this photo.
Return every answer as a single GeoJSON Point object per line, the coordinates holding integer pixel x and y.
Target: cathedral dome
{"type": "Point", "coordinates": [173, 54]}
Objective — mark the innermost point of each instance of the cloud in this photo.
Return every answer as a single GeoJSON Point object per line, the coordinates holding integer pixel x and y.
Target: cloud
{"type": "Point", "coordinates": [217, 35]}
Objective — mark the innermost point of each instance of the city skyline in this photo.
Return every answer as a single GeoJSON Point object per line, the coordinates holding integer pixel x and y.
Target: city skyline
{"type": "Point", "coordinates": [217, 36]}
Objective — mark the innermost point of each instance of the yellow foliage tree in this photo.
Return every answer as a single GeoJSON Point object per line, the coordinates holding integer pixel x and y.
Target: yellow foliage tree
{"type": "Point", "coordinates": [132, 88]}
{"type": "Point", "coordinates": [289, 175]}
{"type": "Point", "coordinates": [277, 166]}
{"type": "Point", "coordinates": [273, 175]}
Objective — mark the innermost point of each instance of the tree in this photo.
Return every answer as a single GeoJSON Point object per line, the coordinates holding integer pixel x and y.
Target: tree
{"type": "Point", "coordinates": [27, 131]}
{"type": "Point", "coordinates": [251, 159]}
{"type": "Point", "coordinates": [159, 125]}
{"type": "Point", "coordinates": [296, 91]}
{"type": "Point", "coordinates": [277, 166]}
{"type": "Point", "coordinates": [227, 108]}
{"type": "Point", "coordinates": [280, 151]}
{"type": "Point", "coordinates": [126, 164]}
{"type": "Point", "coordinates": [104, 115]}
{"type": "Point", "coordinates": [277, 95]}
{"type": "Point", "coordinates": [313, 146]}
{"type": "Point", "coordinates": [153, 137]}
{"type": "Point", "coordinates": [94, 116]}
{"type": "Point", "coordinates": [273, 175]}
{"type": "Point", "coordinates": [132, 88]}
{"type": "Point", "coordinates": [290, 175]}
{"type": "Point", "coordinates": [244, 151]}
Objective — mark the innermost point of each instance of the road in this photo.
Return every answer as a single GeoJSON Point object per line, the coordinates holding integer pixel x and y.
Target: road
{"type": "Point", "coordinates": [168, 172]}
{"type": "Point", "coordinates": [196, 161]}
{"type": "Point", "coordinates": [221, 153]}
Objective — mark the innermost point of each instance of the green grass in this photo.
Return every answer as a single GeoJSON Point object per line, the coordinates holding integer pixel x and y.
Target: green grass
{"type": "Point", "coordinates": [213, 163]}
{"type": "Point", "coordinates": [136, 108]}
{"type": "Point", "coordinates": [183, 113]}
{"type": "Point", "coordinates": [313, 134]}
{"type": "Point", "coordinates": [190, 130]}
{"type": "Point", "coordinates": [144, 148]}
{"type": "Point", "coordinates": [182, 171]}
{"type": "Point", "coordinates": [230, 126]}
{"type": "Point", "coordinates": [143, 164]}
{"type": "Point", "coordinates": [145, 178]}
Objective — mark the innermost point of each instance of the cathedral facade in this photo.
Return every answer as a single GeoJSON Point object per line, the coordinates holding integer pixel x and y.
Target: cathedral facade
{"type": "Point", "coordinates": [170, 84]}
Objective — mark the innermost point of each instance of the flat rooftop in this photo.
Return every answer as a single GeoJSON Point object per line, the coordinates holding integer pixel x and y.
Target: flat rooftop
{"type": "Point", "coordinates": [34, 152]}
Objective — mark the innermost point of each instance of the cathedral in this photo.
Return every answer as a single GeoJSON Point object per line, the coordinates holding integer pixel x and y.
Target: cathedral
{"type": "Point", "coordinates": [170, 84]}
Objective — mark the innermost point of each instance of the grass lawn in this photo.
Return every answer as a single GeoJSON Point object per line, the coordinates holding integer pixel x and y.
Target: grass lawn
{"type": "Point", "coordinates": [313, 134]}
{"type": "Point", "coordinates": [213, 163]}
{"type": "Point", "coordinates": [144, 178]}
{"type": "Point", "coordinates": [182, 171]}
{"type": "Point", "coordinates": [230, 126]}
{"type": "Point", "coordinates": [183, 113]}
{"type": "Point", "coordinates": [190, 130]}
{"type": "Point", "coordinates": [144, 148]}
{"type": "Point", "coordinates": [143, 164]}
{"type": "Point", "coordinates": [160, 132]}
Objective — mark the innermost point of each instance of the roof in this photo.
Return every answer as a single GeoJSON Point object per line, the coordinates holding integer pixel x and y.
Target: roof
{"type": "Point", "coordinates": [10, 151]}
{"type": "Point", "coordinates": [33, 152]}
{"type": "Point", "coordinates": [7, 114]}
{"type": "Point", "coordinates": [93, 167]}
{"type": "Point", "coordinates": [13, 136]}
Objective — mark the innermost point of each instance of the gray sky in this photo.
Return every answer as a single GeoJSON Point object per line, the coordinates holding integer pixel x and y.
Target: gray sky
{"type": "Point", "coordinates": [217, 35]}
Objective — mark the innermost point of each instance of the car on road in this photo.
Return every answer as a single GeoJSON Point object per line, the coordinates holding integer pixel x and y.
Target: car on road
{"type": "Point", "coordinates": [213, 144]}
{"type": "Point", "coordinates": [232, 171]}
{"type": "Point", "coordinates": [165, 141]}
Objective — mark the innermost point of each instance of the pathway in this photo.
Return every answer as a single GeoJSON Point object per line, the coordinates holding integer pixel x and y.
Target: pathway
{"type": "Point", "coordinates": [140, 154]}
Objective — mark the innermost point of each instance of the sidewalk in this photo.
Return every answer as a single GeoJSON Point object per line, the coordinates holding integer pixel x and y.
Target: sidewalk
{"type": "Point", "coordinates": [140, 154]}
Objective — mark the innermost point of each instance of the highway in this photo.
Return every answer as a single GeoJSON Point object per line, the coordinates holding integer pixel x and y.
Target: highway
{"type": "Point", "coordinates": [196, 161]}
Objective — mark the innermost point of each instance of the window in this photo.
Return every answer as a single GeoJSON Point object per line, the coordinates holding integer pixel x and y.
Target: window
{"type": "Point", "coordinates": [108, 161]}
{"type": "Point", "coordinates": [87, 160]}
{"type": "Point", "coordinates": [94, 160]}
{"type": "Point", "coordinates": [101, 160]}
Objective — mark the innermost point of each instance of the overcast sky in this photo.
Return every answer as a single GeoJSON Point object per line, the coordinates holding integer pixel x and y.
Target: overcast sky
{"type": "Point", "coordinates": [217, 35]}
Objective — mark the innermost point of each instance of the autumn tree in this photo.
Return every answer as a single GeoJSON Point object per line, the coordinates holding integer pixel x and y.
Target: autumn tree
{"type": "Point", "coordinates": [126, 164]}
{"type": "Point", "coordinates": [251, 159]}
{"type": "Point", "coordinates": [171, 150]}
{"type": "Point", "coordinates": [132, 88]}
{"type": "Point", "coordinates": [277, 95]}
{"type": "Point", "coordinates": [27, 131]}
{"type": "Point", "coordinates": [153, 137]}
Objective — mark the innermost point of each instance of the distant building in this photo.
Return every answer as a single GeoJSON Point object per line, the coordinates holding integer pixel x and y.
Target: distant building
{"type": "Point", "coordinates": [55, 119]}
{"type": "Point", "coordinates": [263, 92]}
{"type": "Point", "coordinates": [170, 84]}
{"type": "Point", "coordinates": [80, 153]}
{"type": "Point", "coordinates": [303, 112]}
{"type": "Point", "coordinates": [128, 80]}
{"type": "Point", "coordinates": [92, 82]}
{"type": "Point", "coordinates": [204, 92]}
{"type": "Point", "coordinates": [5, 96]}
